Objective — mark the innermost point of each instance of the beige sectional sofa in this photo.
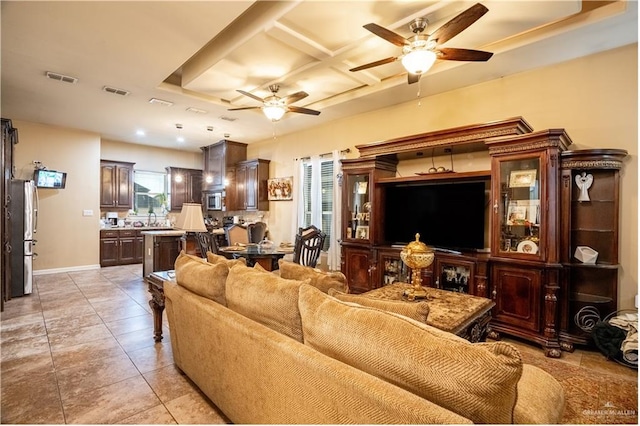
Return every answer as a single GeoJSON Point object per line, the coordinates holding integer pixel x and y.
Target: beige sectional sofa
{"type": "Point", "coordinates": [268, 348]}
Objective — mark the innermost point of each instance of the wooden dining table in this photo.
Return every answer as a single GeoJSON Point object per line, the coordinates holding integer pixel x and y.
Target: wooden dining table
{"type": "Point", "coordinates": [253, 253]}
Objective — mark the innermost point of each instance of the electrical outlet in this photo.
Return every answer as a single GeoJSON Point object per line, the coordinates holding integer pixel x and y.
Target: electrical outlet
{"type": "Point", "coordinates": [87, 212]}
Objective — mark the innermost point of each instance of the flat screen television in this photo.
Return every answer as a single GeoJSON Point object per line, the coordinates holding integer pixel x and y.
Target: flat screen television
{"type": "Point", "coordinates": [447, 215]}
{"type": "Point", "coordinates": [50, 179]}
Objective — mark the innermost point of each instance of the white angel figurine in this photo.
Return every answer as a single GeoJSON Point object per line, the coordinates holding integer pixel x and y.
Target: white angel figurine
{"type": "Point", "coordinates": [584, 182]}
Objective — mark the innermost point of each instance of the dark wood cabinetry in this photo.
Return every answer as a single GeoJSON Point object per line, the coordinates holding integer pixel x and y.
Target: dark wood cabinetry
{"type": "Point", "coordinates": [161, 249]}
{"type": "Point", "coordinates": [9, 140]}
{"type": "Point", "coordinates": [251, 185]}
{"type": "Point", "coordinates": [525, 248]}
{"type": "Point", "coordinates": [590, 215]}
{"type": "Point", "coordinates": [120, 247]}
{"type": "Point", "coordinates": [218, 157]}
{"type": "Point", "coordinates": [116, 185]}
{"type": "Point", "coordinates": [185, 187]}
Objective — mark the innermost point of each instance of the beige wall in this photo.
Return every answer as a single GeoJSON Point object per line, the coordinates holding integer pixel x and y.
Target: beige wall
{"type": "Point", "coordinates": [593, 98]}
{"type": "Point", "coordinates": [66, 238]}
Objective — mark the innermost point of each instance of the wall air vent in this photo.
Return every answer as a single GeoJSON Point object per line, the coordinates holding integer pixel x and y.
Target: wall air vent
{"type": "Point", "coordinates": [160, 102]}
{"type": "Point", "coordinates": [227, 118]}
{"type": "Point", "coordinates": [60, 77]}
{"type": "Point", "coordinates": [115, 91]}
{"type": "Point", "coordinates": [196, 110]}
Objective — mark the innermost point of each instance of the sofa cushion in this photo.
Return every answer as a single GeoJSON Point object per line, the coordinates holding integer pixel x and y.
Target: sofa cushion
{"type": "Point", "coordinates": [321, 280]}
{"type": "Point", "coordinates": [478, 381]}
{"type": "Point", "coordinates": [203, 278]}
{"type": "Point", "coordinates": [265, 298]}
{"type": "Point", "coordinates": [534, 406]}
{"type": "Point", "coordinates": [417, 311]}
{"type": "Point", "coordinates": [216, 258]}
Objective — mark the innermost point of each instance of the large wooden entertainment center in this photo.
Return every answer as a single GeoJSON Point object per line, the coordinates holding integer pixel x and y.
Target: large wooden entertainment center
{"type": "Point", "coordinates": [538, 216]}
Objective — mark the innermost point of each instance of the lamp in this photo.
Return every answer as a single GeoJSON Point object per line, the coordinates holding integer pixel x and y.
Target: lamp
{"type": "Point", "coordinates": [418, 61]}
{"type": "Point", "coordinates": [273, 110]}
{"type": "Point", "coordinates": [190, 220]}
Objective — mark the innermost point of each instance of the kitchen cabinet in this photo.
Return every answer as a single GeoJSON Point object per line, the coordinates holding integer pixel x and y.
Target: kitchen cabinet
{"type": "Point", "coordinates": [525, 236]}
{"type": "Point", "coordinates": [251, 185]}
{"type": "Point", "coordinates": [590, 218]}
{"type": "Point", "coordinates": [218, 157]}
{"type": "Point", "coordinates": [120, 247]}
{"type": "Point", "coordinates": [185, 187]}
{"type": "Point", "coordinates": [161, 249]}
{"type": "Point", "coordinates": [116, 185]}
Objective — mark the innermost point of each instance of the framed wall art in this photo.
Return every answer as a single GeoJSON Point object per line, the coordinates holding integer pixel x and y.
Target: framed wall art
{"type": "Point", "coordinates": [522, 178]}
{"type": "Point", "coordinates": [280, 189]}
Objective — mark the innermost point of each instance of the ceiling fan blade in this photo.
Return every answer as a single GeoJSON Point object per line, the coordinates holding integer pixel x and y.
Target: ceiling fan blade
{"type": "Point", "coordinates": [375, 64]}
{"type": "Point", "coordinates": [453, 54]}
{"type": "Point", "coordinates": [413, 78]}
{"type": "Point", "coordinates": [456, 25]}
{"type": "Point", "coordinates": [240, 109]}
{"type": "Point", "coordinates": [251, 95]}
{"type": "Point", "coordinates": [294, 97]}
{"type": "Point", "coordinates": [386, 34]}
{"type": "Point", "coordinates": [303, 110]}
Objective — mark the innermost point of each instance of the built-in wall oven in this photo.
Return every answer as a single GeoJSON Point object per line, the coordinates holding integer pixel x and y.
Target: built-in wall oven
{"type": "Point", "coordinates": [214, 200]}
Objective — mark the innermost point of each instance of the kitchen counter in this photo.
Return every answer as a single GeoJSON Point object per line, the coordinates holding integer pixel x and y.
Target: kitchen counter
{"type": "Point", "coordinates": [163, 232]}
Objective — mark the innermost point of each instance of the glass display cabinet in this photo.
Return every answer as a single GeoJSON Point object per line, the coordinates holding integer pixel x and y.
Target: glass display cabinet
{"type": "Point", "coordinates": [526, 232]}
{"type": "Point", "coordinates": [518, 208]}
{"type": "Point", "coordinates": [358, 206]}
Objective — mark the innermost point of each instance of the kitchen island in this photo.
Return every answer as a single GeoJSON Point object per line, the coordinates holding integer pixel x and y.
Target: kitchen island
{"type": "Point", "coordinates": [161, 248]}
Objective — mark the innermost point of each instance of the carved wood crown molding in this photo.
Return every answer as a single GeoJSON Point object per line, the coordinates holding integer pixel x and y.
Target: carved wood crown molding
{"type": "Point", "coordinates": [524, 147]}
{"type": "Point", "coordinates": [591, 164]}
{"type": "Point", "coordinates": [458, 136]}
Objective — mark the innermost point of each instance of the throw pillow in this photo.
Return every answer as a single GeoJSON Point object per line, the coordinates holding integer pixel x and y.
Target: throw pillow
{"type": "Point", "coordinates": [265, 298]}
{"type": "Point", "coordinates": [216, 258]}
{"type": "Point", "coordinates": [478, 381]}
{"type": "Point", "coordinates": [417, 311]}
{"type": "Point", "coordinates": [203, 278]}
{"type": "Point", "coordinates": [321, 280]}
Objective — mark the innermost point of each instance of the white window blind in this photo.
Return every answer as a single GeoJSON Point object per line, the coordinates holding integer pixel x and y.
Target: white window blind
{"type": "Point", "coordinates": [326, 197]}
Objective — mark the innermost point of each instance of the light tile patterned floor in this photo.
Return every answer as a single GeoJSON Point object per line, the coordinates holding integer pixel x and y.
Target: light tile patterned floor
{"type": "Point", "coordinates": [80, 349]}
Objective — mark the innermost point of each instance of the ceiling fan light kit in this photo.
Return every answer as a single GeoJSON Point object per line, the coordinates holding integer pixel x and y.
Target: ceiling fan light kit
{"type": "Point", "coordinates": [275, 107]}
{"type": "Point", "coordinates": [273, 112]}
{"type": "Point", "coordinates": [421, 51]}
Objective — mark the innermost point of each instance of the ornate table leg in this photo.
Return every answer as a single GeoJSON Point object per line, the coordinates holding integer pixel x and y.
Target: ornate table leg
{"type": "Point", "coordinates": [157, 305]}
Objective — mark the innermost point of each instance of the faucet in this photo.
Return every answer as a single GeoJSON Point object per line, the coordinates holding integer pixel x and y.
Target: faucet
{"type": "Point", "coordinates": [155, 219]}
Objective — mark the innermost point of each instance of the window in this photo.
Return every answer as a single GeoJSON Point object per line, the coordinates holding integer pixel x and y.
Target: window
{"type": "Point", "coordinates": [326, 198]}
{"type": "Point", "coordinates": [150, 193]}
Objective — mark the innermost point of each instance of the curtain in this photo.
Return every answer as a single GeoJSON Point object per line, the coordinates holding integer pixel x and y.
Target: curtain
{"type": "Point", "coordinates": [298, 197]}
{"type": "Point", "coordinates": [333, 260]}
{"type": "Point", "coordinates": [316, 193]}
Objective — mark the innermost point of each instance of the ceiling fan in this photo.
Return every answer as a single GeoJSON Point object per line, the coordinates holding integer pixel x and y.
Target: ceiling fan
{"type": "Point", "coordinates": [274, 106]}
{"type": "Point", "coordinates": [420, 51]}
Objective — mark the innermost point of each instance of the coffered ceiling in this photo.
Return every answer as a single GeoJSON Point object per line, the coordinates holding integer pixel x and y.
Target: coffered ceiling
{"type": "Point", "coordinates": [196, 55]}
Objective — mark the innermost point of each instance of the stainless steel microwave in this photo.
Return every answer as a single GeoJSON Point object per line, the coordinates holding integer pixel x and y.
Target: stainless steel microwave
{"type": "Point", "coordinates": [214, 201]}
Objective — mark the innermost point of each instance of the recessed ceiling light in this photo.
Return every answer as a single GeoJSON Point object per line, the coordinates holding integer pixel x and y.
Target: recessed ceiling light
{"type": "Point", "coordinates": [180, 139]}
{"type": "Point", "coordinates": [160, 102]}
{"type": "Point", "coordinates": [140, 132]}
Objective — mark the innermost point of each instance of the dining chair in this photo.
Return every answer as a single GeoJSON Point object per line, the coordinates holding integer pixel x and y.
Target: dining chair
{"type": "Point", "coordinates": [206, 242]}
{"type": "Point", "coordinates": [308, 245]}
{"type": "Point", "coordinates": [237, 234]}
{"type": "Point", "coordinates": [257, 231]}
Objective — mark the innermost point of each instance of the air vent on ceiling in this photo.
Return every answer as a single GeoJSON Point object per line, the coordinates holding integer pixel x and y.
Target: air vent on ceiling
{"type": "Point", "coordinates": [160, 102]}
{"type": "Point", "coordinates": [115, 91]}
{"type": "Point", "coordinates": [227, 118]}
{"type": "Point", "coordinates": [196, 110]}
{"type": "Point", "coordinates": [61, 77]}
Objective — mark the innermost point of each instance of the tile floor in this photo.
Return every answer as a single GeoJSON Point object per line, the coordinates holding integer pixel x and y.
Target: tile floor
{"type": "Point", "coordinates": [80, 349]}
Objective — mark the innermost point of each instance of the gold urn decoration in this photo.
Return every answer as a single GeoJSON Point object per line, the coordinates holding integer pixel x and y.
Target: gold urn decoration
{"type": "Point", "coordinates": [416, 255]}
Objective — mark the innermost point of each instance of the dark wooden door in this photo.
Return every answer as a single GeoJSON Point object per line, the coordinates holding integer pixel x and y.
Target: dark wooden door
{"type": "Point", "coordinates": [108, 251]}
{"type": "Point", "coordinates": [124, 192]}
{"type": "Point", "coordinates": [127, 250]}
{"type": "Point", "coordinates": [195, 187]}
{"type": "Point", "coordinates": [165, 252]}
{"type": "Point", "coordinates": [357, 268]}
{"type": "Point", "coordinates": [240, 189]}
{"type": "Point", "coordinates": [517, 293]}
{"type": "Point", "coordinates": [251, 187]}
{"type": "Point", "coordinates": [107, 187]}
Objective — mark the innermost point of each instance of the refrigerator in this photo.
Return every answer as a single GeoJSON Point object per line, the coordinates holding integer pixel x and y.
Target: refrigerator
{"type": "Point", "coordinates": [23, 219]}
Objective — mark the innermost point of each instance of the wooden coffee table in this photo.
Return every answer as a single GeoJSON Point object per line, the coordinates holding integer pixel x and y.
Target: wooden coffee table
{"type": "Point", "coordinates": [156, 280]}
{"type": "Point", "coordinates": [458, 313]}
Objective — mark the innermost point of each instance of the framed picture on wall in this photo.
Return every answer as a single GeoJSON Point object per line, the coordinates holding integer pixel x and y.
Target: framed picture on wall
{"type": "Point", "coordinates": [280, 189]}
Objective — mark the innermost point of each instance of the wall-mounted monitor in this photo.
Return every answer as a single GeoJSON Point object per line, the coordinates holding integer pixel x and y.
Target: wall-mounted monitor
{"type": "Point", "coordinates": [50, 179]}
